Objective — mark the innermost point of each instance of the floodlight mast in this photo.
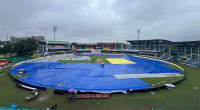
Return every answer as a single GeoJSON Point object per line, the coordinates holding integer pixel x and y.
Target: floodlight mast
{"type": "Point", "coordinates": [54, 30]}
{"type": "Point", "coordinates": [138, 32]}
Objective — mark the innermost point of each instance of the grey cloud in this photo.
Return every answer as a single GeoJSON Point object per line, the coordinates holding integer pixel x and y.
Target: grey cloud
{"type": "Point", "coordinates": [101, 20]}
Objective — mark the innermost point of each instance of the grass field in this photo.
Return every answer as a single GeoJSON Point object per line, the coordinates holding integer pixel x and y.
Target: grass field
{"type": "Point", "coordinates": [158, 82]}
{"type": "Point", "coordinates": [183, 97]}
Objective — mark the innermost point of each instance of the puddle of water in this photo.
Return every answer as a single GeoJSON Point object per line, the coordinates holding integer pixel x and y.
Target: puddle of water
{"type": "Point", "coordinates": [43, 97]}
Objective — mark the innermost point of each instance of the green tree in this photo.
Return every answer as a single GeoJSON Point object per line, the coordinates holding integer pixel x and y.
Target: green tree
{"type": "Point", "coordinates": [8, 48]}
{"type": "Point", "coordinates": [19, 48]}
{"type": "Point", "coordinates": [1, 50]}
{"type": "Point", "coordinates": [24, 47]}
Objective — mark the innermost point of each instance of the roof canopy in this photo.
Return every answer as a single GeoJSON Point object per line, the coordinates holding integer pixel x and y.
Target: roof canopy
{"type": "Point", "coordinates": [55, 42]}
{"type": "Point", "coordinates": [151, 41]}
{"type": "Point", "coordinates": [194, 43]}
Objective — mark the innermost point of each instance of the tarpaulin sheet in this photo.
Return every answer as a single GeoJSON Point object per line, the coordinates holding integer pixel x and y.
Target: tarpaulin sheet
{"type": "Point", "coordinates": [3, 63]}
{"type": "Point", "coordinates": [91, 76]}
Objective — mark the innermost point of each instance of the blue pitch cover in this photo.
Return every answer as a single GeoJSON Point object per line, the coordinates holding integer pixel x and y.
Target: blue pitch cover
{"type": "Point", "coordinates": [91, 76]}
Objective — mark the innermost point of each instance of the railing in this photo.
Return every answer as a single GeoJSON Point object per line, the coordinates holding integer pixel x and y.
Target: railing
{"type": "Point", "coordinates": [164, 54]}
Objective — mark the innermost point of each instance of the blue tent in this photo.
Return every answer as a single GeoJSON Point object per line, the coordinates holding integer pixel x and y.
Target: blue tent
{"type": "Point", "coordinates": [14, 106]}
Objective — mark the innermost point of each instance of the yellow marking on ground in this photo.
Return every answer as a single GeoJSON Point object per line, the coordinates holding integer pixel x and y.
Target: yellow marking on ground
{"type": "Point", "coordinates": [119, 61]}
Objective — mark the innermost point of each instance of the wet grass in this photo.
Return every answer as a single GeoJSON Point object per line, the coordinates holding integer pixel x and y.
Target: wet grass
{"type": "Point", "coordinates": [17, 76]}
{"type": "Point", "coordinates": [182, 97]}
{"type": "Point", "coordinates": [158, 82]}
{"type": "Point", "coordinates": [173, 67]}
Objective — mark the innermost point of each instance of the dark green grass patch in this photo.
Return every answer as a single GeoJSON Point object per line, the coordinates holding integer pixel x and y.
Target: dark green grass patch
{"type": "Point", "coordinates": [173, 67]}
{"type": "Point", "coordinates": [18, 59]}
{"type": "Point", "coordinates": [158, 82]}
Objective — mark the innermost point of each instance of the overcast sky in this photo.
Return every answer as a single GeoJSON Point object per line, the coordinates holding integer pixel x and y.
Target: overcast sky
{"type": "Point", "coordinates": [101, 20]}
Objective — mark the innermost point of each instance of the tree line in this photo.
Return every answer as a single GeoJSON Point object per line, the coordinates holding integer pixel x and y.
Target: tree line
{"type": "Point", "coordinates": [22, 48]}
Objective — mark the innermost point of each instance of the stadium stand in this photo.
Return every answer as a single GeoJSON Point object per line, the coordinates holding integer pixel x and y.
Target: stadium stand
{"type": "Point", "coordinates": [192, 62]}
{"type": "Point", "coordinates": [53, 47]}
{"type": "Point", "coordinates": [188, 52]}
{"type": "Point", "coordinates": [150, 45]}
{"type": "Point", "coordinates": [82, 47]}
{"type": "Point", "coordinates": [104, 47]}
{"type": "Point", "coordinates": [158, 48]}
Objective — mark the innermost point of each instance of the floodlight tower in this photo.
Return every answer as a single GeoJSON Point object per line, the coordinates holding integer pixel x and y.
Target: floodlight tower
{"type": "Point", "coordinates": [138, 32]}
{"type": "Point", "coordinates": [54, 30]}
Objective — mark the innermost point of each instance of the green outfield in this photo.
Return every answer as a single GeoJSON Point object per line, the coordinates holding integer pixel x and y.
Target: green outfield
{"type": "Point", "coordinates": [185, 96]}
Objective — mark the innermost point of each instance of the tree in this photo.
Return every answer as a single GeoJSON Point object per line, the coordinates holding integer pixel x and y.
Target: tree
{"type": "Point", "coordinates": [19, 48]}
{"type": "Point", "coordinates": [1, 50]}
{"type": "Point", "coordinates": [24, 47]}
{"type": "Point", "coordinates": [30, 45]}
{"type": "Point", "coordinates": [8, 48]}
